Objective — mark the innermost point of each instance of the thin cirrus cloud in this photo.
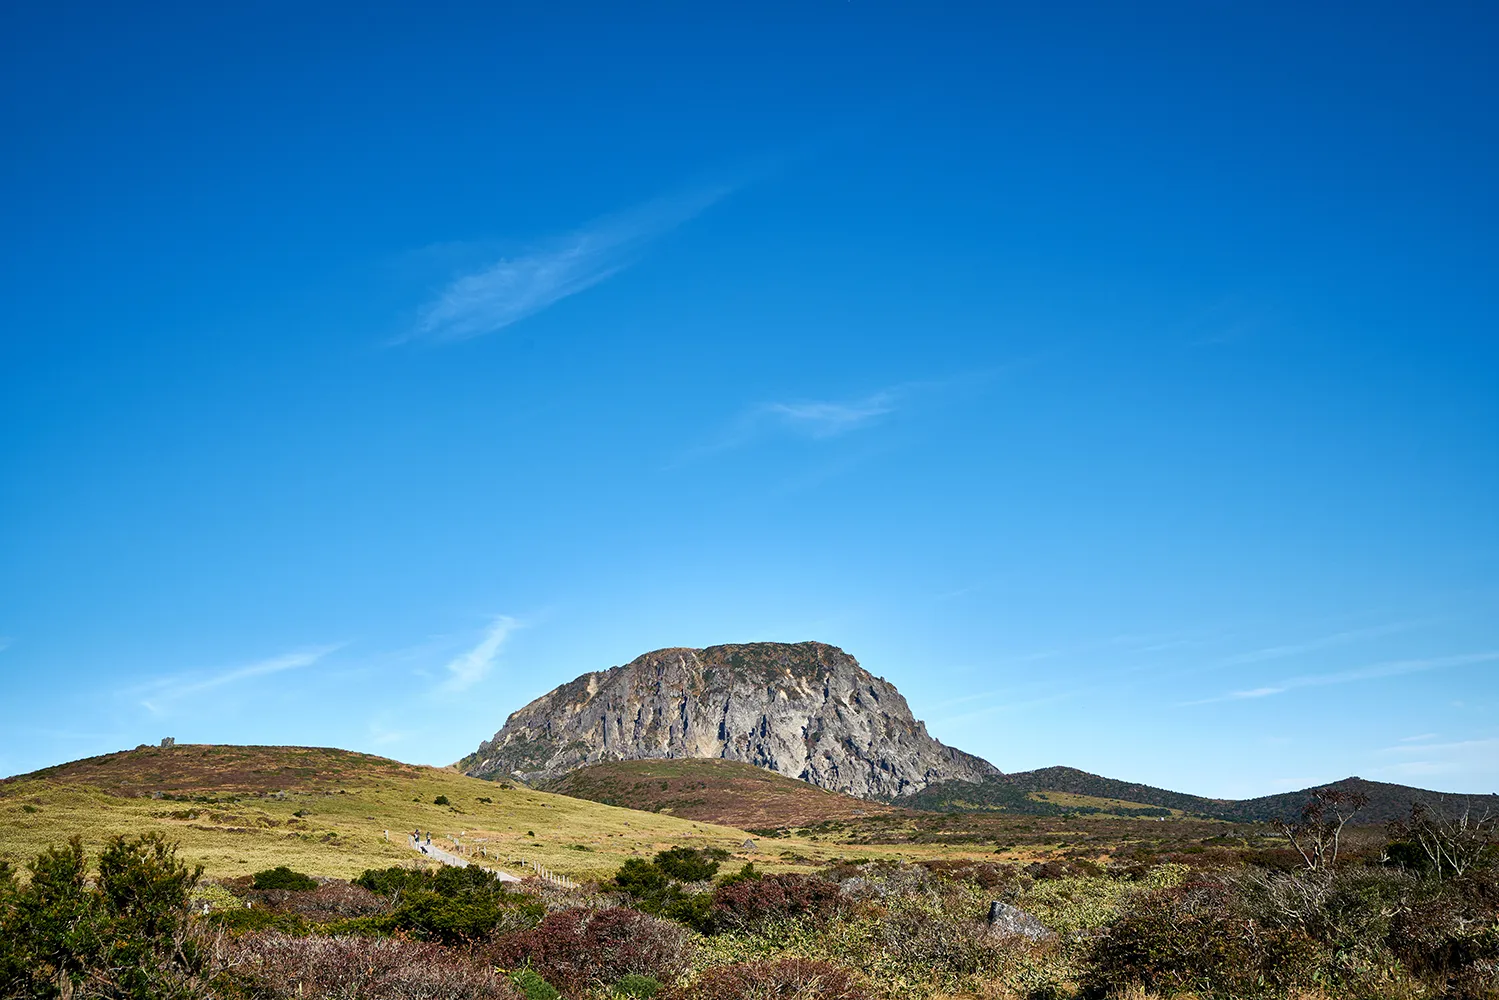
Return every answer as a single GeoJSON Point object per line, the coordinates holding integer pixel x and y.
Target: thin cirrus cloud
{"type": "Point", "coordinates": [822, 419]}
{"type": "Point", "coordinates": [1415, 760]}
{"type": "Point", "coordinates": [827, 419]}
{"type": "Point", "coordinates": [1312, 645]}
{"type": "Point", "coordinates": [158, 696]}
{"type": "Point", "coordinates": [508, 290]}
{"type": "Point", "coordinates": [471, 667]}
{"type": "Point", "coordinates": [1393, 668]}
{"type": "Point", "coordinates": [807, 418]}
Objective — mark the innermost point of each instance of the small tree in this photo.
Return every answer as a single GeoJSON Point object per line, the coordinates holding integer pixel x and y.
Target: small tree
{"type": "Point", "coordinates": [1451, 840]}
{"type": "Point", "coordinates": [128, 934]}
{"type": "Point", "coordinates": [1318, 831]}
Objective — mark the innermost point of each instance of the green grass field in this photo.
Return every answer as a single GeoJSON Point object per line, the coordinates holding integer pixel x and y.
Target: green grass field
{"type": "Point", "coordinates": [238, 810]}
{"type": "Point", "coordinates": [242, 809]}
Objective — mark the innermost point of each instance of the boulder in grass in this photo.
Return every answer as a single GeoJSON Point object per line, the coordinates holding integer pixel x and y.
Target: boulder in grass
{"type": "Point", "coordinates": [1011, 921]}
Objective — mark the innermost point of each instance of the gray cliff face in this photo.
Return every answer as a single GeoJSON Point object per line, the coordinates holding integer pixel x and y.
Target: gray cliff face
{"type": "Point", "coordinates": [806, 710]}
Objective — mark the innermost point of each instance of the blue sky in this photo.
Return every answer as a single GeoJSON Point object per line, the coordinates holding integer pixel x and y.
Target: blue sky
{"type": "Point", "coordinates": [1121, 383]}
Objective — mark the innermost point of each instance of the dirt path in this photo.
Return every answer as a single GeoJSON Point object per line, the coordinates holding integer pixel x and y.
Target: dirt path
{"type": "Point", "coordinates": [438, 854]}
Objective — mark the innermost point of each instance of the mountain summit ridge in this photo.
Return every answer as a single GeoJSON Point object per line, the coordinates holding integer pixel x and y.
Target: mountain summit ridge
{"type": "Point", "coordinates": [806, 710]}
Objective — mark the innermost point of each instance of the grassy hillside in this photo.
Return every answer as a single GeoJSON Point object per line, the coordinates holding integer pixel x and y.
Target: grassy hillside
{"type": "Point", "coordinates": [1055, 790]}
{"type": "Point", "coordinates": [240, 809]}
{"type": "Point", "coordinates": [714, 791]}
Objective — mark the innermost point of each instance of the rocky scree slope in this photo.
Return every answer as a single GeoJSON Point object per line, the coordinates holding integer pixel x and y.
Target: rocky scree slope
{"type": "Point", "coordinates": [806, 710]}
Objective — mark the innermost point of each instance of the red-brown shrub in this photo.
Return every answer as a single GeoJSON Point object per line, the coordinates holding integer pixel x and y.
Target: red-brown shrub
{"type": "Point", "coordinates": [786, 979]}
{"type": "Point", "coordinates": [329, 901]}
{"type": "Point", "coordinates": [277, 966]}
{"type": "Point", "coordinates": [576, 948]}
{"type": "Point", "coordinates": [746, 904]}
{"type": "Point", "coordinates": [984, 874]}
{"type": "Point", "coordinates": [1191, 939]}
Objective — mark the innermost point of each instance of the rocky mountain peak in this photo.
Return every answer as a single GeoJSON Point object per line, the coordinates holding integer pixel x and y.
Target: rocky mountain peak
{"type": "Point", "coordinates": [805, 709]}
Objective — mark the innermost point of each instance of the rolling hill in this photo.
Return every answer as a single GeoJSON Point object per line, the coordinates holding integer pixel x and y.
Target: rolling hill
{"type": "Point", "coordinates": [714, 791]}
{"type": "Point", "coordinates": [239, 809]}
{"type": "Point", "coordinates": [1019, 792]}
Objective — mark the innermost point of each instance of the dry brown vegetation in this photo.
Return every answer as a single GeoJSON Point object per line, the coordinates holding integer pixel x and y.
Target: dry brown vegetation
{"type": "Point", "coordinates": [716, 791]}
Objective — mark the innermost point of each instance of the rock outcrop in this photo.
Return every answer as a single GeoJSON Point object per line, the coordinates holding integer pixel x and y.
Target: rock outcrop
{"type": "Point", "coordinates": [807, 710]}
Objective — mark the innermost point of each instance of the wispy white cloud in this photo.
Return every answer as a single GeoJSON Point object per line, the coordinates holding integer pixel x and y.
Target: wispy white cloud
{"type": "Point", "coordinates": [471, 667]}
{"type": "Point", "coordinates": [5, 642]}
{"type": "Point", "coordinates": [1475, 756]}
{"type": "Point", "coordinates": [159, 695]}
{"type": "Point", "coordinates": [1393, 668]}
{"type": "Point", "coordinates": [817, 419]}
{"type": "Point", "coordinates": [1423, 737]}
{"type": "Point", "coordinates": [512, 288]}
{"type": "Point", "coordinates": [1286, 650]}
{"type": "Point", "coordinates": [821, 419]}
{"type": "Point", "coordinates": [381, 736]}
{"type": "Point", "coordinates": [828, 418]}
{"type": "Point", "coordinates": [1009, 706]}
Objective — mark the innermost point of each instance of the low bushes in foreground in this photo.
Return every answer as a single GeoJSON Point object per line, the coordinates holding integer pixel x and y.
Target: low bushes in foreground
{"type": "Point", "coordinates": [1190, 940]}
{"type": "Point", "coordinates": [743, 904]}
{"type": "Point", "coordinates": [577, 948]}
{"type": "Point", "coordinates": [282, 967]}
{"type": "Point", "coordinates": [778, 979]}
{"type": "Point", "coordinates": [126, 932]}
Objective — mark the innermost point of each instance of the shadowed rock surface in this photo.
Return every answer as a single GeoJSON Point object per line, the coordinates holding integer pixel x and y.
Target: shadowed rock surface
{"type": "Point", "coordinates": [806, 710]}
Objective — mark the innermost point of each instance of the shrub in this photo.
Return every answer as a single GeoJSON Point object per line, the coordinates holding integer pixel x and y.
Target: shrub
{"type": "Point", "coordinates": [282, 877]}
{"type": "Point", "coordinates": [688, 864]}
{"type": "Point", "coordinates": [943, 947]}
{"type": "Point", "coordinates": [639, 878]}
{"type": "Point", "coordinates": [1187, 940]}
{"type": "Point", "coordinates": [533, 986]}
{"type": "Point", "coordinates": [786, 979]}
{"type": "Point", "coordinates": [749, 903]}
{"type": "Point", "coordinates": [1451, 938]}
{"type": "Point", "coordinates": [451, 905]}
{"type": "Point", "coordinates": [983, 874]}
{"type": "Point", "coordinates": [577, 948]}
{"type": "Point", "coordinates": [258, 918]}
{"type": "Point", "coordinates": [459, 919]}
{"type": "Point", "coordinates": [126, 934]}
{"type": "Point", "coordinates": [278, 967]}
{"type": "Point", "coordinates": [636, 985]}
{"type": "Point", "coordinates": [441, 800]}
{"type": "Point", "coordinates": [652, 891]}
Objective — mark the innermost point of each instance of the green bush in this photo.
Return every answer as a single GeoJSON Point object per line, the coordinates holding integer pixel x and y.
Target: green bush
{"type": "Point", "coordinates": [688, 864]}
{"type": "Point", "coordinates": [533, 986]}
{"type": "Point", "coordinates": [282, 877]}
{"type": "Point", "coordinates": [441, 800]}
{"type": "Point", "coordinates": [652, 892]}
{"type": "Point", "coordinates": [639, 878]}
{"type": "Point", "coordinates": [126, 933]}
{"type": "Point", "coordinates": [258, 918]}
{"type": "Point", "coordinates": [636, 985]}
{"type": "Point", "coordinates": [449, 905]}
